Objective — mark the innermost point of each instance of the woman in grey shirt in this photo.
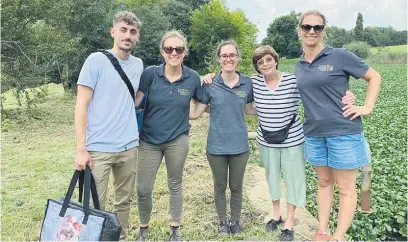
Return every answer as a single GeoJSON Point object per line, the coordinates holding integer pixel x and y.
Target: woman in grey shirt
{"type": "Point", "coordinates": [334, 145]}
{"type": "Point", "coordinates": [170, 88]}
{"type": "Point", "coordinates": [227, 144]}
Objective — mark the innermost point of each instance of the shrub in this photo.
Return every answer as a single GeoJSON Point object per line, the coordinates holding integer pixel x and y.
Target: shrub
{"type": "Point", "coordinates": [359, 48]}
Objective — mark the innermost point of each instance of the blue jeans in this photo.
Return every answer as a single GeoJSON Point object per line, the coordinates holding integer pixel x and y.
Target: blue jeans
{"type": "Point", "coordinates": [342, 152]}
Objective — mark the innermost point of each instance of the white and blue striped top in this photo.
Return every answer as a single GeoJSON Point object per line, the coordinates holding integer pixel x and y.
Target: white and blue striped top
{"type": "Point", "coordinates": [276, 108]}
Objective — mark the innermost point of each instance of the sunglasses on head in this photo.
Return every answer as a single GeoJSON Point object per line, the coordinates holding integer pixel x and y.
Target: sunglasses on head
{"type": "Point", "coordinates": [169, 50]}
{"type": "Point", "coordinates": [308, 27]}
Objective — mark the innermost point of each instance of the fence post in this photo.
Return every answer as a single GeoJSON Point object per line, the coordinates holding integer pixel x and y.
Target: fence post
{"type": "Point", "coordinates": [251, 135]}
{"type": "Point", "coordinates": [365, 206]}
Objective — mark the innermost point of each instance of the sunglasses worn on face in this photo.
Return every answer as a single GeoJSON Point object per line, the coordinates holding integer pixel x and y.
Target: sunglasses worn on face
{"type": "Point", "coordinates": [308, 27]}
{"type": "Point", "coordinates": [231, 56]}
{"type": "Point", "coordinates": [264, 61]}
{"type": "Point", "coordinates": [169, 50]}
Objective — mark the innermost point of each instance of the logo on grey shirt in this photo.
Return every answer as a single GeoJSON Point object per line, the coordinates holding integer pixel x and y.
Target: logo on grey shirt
{"type": "Point", "coordinates": [325, 68]}
{"type": "Point", "coordinates": [240, 93]}
{"type": "Point", "coordinates": [184, 92]}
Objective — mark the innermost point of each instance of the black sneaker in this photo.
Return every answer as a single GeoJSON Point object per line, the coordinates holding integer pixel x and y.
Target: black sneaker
{"type": "Point", "coordinates": [272, 225]}
{"type": "Point", "coordinates": [286, 235]}
{"type": "Point", "coordinates": [143, 234]}
{"type": "Point", "coordinates": [235, 228]}
{"type": "Point", "coordinates": [224, 228]}
{"type": "Point", "coordinates": [175, 234]}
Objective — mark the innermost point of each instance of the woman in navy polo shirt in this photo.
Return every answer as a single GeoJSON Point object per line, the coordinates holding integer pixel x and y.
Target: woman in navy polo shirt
{"type": "Point", "coordinates": [227, 145]}
{"type": "Point", "coordinates": [334, 140]}
{"type": "Point", "coordinates": [170, 86]}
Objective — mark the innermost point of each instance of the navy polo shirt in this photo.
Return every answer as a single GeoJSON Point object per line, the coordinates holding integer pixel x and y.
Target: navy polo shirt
{"type": "Point", "coordinates": [322, 84]}
{"type": "Point", "coordinates": [168, 107]}
{"type": "Point", "coordinates": [228, 134]}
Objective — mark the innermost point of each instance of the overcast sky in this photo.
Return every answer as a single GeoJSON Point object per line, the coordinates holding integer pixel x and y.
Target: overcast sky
{"type": "Point", "coordinates": [341, 13]}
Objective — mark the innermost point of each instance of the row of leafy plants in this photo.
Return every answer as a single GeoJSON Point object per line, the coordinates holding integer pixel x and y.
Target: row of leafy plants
{"type": "Point", "coordinates": [386, 133]}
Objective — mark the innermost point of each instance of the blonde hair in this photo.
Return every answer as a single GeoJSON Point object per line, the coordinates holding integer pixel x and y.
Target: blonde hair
{"type": "Point", "coordinates": [177, 34]}
{"type": "Point", "coordinates": [312, 12]}
{"type": "Point", "coordinates": [262, 51]}
{"type": "Point", "coordinates": [127, 17]}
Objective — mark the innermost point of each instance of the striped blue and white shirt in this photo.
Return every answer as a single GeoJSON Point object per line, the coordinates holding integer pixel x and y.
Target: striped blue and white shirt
{"type": "Point", "coordinates": [275, 109]}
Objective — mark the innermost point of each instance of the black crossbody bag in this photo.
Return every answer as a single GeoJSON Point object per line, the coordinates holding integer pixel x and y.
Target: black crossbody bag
{"type": "Point", "coordinates": [277, 137]}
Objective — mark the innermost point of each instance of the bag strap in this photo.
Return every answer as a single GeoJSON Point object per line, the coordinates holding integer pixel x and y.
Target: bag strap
{"type": "Point", "coordinates": [87, 191]}
{"type": "Point", "coordinates": [286, 127]}
{"type": "Point", "coordinates": [122, 74]}
{"type": "Point", "coordinates": [85, 182]}
{"type": "Point", "coordinates": [94, 192]}
{"type": "Point", "coordinates": [69, 193]}
{"type": "Point", "coordinates": [143, 102]}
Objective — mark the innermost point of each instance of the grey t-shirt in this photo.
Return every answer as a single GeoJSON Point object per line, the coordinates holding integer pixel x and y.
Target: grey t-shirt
{"type": "Point", "coordinates": [228, 134]}
{"type": "Point", "coordinates": [168, 107]}
{"type": "Point", "coordinates": [322, 84]}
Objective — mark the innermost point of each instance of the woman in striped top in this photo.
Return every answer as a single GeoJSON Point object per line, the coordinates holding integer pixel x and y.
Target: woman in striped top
{"type": "Point", "coordinates": [276, 103]}
{"type": "Point", "coordinates": [277, 100]}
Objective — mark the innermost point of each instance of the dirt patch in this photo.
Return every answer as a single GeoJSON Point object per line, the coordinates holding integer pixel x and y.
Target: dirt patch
{"type": "Point", "coordinates": [257, 191]}
{"type": "Point", "coordinates": [256, 187]}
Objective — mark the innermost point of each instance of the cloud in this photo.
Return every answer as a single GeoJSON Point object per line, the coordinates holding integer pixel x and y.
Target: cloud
{"type": "Point", "coordinates": [338, 13]}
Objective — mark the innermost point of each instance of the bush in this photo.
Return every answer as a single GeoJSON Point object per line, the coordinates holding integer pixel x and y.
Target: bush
{"type": "Point", "coordinates": [359, 48]}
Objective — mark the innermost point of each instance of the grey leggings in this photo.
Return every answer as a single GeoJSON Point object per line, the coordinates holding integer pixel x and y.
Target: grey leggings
{"type": "Point", "coordinates": [150, 156]}
{"type": "Point", "coordinates": [220, 164]}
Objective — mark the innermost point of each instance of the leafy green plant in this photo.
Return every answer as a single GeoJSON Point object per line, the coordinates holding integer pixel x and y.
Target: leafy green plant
{"type": "Point", "coordinates": [359, 48]}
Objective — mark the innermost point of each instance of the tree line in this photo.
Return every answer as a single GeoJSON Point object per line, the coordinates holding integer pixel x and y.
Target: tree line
{"type": "Point", "coordinates": [48, 40]}
{"type": "Point", "coordinates": [282, 35]}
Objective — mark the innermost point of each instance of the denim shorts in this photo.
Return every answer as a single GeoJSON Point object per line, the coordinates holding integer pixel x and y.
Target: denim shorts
{"type": "Point", "coordinates": [341, 152]}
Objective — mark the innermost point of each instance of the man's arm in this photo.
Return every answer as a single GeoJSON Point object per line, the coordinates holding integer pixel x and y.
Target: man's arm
{"type": "Point", "coordinates": [84, 96]}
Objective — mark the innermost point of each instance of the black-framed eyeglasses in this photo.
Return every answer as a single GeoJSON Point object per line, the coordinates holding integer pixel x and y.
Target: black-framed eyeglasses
{"type": "Point", "coordinates": [169, 50]}
{"type": "Point", "coordinates": [307, 27]}
{"type": "Point", "coordinates": [231, 56]}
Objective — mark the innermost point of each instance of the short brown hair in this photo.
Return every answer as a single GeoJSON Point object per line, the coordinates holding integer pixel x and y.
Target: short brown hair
{"type": "Point", "coordinates": [312, 12]}
{"type": "Point", "coordinates": [127, 17]}
{"type": "Point", "coordinates": [262, 51]}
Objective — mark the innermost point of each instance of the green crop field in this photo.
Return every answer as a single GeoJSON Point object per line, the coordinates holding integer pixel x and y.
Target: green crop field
{"type": "Point", "coordinates": [386, 132]}
{"type": "Point", "coordinates": [38, 149]}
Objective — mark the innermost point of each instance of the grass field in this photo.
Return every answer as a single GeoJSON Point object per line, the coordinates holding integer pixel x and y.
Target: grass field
{"type": "Point", "coordinates": [37, 163]}
{"type": "Point", "coordinates": [38, 148]}
{"type": "Point", "coordinates": [397, 49]}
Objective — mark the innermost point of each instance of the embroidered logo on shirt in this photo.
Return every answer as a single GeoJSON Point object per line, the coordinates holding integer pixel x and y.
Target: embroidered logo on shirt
{"type": "Point", "coordinates": [240, 93]}
{"type": "Point", "coordinates": [325, 68]}
{"type": "Point", "coordinates": [184, 92]}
